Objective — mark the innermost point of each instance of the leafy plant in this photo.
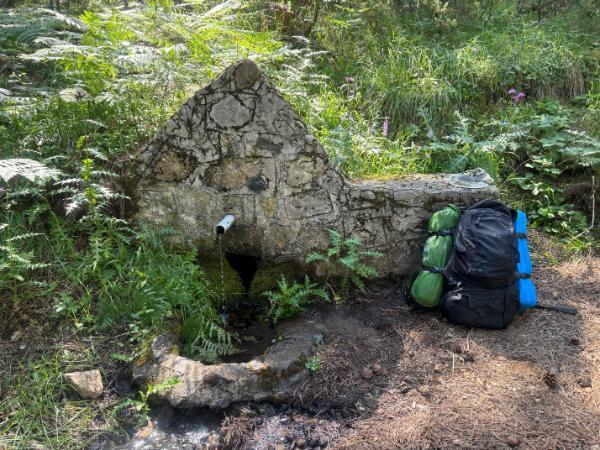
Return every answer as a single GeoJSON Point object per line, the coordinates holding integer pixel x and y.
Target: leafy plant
{"type": "Point", "coordinates": [142, 405]}
{"type": "Point", "coordinates": [313, 364]}
{"type": "Point", "coordinates": [291, 298]}
{"type": "Point", "coordinates": [548, 149]}
{"type": "Point", "coordinates": [345, 258]}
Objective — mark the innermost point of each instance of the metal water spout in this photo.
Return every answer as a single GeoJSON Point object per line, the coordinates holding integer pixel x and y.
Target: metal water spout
{"type": "Point", "coordinates": [224, 224]}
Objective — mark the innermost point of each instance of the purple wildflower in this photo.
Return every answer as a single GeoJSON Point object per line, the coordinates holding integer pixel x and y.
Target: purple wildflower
{"type": "Point", "coordinates": [517, 98]}
{"type": "Point", "coordinates": [512, 92]}
{"type": "Point", "coordinates": [349, 80]}
{"type": "Point", "coordinates": [386, 126]}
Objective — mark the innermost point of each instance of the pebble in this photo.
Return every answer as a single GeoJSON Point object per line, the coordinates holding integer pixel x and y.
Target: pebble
{"type": "Point", "coordinates": [585, 382]}
{"type": "Point", "coordinates": [301, 443]}
{"type": "Point", "coordinates": [439, 368]}
{"type": "Point", "coordinates": [377, 368]}
{"type": "Point", "coordinates": [513, 440]}
{"type": "Point", "coordinates": [424, 389]}
{"type": "Point", "coordinates": [367, 373]}
{"type": "Point", "coordinates": [16, 336]}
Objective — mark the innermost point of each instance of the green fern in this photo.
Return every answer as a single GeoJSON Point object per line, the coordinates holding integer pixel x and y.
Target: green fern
{"type": "Point", "coordinates": [345, 258]}
{"type": "Point", "coordinates": [291, 299]}
{"type": "Point", "coordinates": [29, 169]}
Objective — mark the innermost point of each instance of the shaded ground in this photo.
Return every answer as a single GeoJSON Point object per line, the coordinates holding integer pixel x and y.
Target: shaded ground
{"type": "Point", "coordinates": [390, 377]}
{"type": "Point", "coordinates": [430, 384]}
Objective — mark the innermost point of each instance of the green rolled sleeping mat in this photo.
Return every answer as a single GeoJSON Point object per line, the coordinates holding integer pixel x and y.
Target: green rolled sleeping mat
{"type": "Point", "coordinates": [428, 287]}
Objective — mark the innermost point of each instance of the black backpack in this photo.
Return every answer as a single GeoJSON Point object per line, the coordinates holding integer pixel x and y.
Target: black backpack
{"type": "Point", "coordinates": [481, 268]}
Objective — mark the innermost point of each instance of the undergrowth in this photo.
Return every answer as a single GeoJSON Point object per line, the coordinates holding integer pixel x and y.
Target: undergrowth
{"type": "Point", "coordinates": [389, 88]}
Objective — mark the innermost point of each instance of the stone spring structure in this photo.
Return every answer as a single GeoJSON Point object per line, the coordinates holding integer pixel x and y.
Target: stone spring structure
{"type": "Point", "coordinates": [237, 147]}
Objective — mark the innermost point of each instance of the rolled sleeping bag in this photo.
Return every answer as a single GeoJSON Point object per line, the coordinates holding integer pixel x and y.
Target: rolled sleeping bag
{"type": "Point", "coordinates": [527, 294]}
{"type": "Point", "coordinates": [428, 287]}
{"type": "Point", "coordinates": [444, 220]}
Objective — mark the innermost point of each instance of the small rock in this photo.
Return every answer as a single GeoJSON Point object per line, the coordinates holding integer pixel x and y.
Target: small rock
{"type": "Point", "coordinates": [456, 442]}
{"type": "Point", "coordinates": [163, 345]}
{"type": "Point", "coordinates": [584, 382]}
{"type": "Point", "coordinates": [367, 373]}
{"type": "Point", "coordinates": [87, 384]}
{"type": "Point", "coordinates": [16, 336]}
{"type": "Point", "coordinates": [513, 440]}
{"type": "Point", "coordinates": [284, 420]}
{"type": "Point", "coordinates": [439, 368]}
{"type": "Point", "coordinates": [424, 389]}
{"type": "Point", "coordinates": [377, 369]}
{"type": "Point", "coordinates": [301, 443]}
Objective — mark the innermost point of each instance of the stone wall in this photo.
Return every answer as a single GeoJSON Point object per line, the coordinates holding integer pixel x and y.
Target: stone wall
{"type": "Point", "coordinates": [237, 147]}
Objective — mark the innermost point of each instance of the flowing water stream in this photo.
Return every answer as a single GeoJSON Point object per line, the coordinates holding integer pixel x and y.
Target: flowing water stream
{"type": "Point", "coordinates": [223, 303]}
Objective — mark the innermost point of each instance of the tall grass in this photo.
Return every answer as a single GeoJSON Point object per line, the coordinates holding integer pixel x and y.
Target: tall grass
{"type": "Point", "coordinates": [404, 71]}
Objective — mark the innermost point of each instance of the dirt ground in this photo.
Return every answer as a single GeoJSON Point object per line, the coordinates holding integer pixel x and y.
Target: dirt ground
{"type": "Point", "coordinates": [392, 376]}
{"type": "Point", "coordinates": [395, 377]}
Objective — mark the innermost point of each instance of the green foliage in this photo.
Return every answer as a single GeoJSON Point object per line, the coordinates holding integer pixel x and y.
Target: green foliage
{"type": "Point", "coordinates": [120, 274]}
{"type": "Point", "coordinates": [313, 364]}
{"type": "Point", "coordinates": [345, 258]}
{"type": "Point", "coordinates": [37, 394]}
{"type": "Point", "coordinates": [461, 151]}
{"type": "Point", "coordinates": [291, 299]}
{"type": "Point", "coordinates": [141, 405]}
{"type": "Point", "coordinates": [547, 150]}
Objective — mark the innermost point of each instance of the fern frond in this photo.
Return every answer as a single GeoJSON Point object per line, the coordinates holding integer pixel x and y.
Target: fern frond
{"type": "Point", "coordinates": [29, 169]}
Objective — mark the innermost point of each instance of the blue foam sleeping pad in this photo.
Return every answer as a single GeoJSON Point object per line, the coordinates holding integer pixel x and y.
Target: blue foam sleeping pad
{"type": "Point", "coordinates": [527, 296]}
